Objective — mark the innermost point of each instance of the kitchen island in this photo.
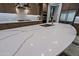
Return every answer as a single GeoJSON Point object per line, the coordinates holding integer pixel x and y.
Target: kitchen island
{"type": "Point", "coordinates": [36, 40]}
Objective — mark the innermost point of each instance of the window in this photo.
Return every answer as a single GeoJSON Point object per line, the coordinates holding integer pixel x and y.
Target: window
{"type": "Point", "coordinates": [68, 16]}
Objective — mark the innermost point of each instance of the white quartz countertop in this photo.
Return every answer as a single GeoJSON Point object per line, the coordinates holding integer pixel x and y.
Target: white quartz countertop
{"type": "Point", "coordinates": [36, 40]}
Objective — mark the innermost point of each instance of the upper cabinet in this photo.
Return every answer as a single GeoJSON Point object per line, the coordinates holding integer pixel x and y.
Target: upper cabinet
{"type": "Point", "coordinates": [65, 6]}
{"type": "Point", "coordinates": [70, 6]}
{"type": "Point", "coordinates": [73, 6]}
{"type": "Point", "coordinates": [7, 7]}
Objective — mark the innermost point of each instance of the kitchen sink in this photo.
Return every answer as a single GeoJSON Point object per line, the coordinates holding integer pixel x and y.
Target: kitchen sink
{"type": "Point", "coordinates": [46, 25]}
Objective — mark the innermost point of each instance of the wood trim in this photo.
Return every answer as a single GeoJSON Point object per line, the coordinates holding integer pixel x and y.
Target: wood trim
{"type": "Point", "coordinates": [18, 24]}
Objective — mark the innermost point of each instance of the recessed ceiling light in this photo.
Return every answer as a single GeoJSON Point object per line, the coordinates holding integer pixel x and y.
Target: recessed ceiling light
{"type": "Point", "coordinates": [55, 42]}
{"type": "Point", "coordinates": [50, 50]}
{"type": "Point", "coordinates": [42, 54]}
{"type": "Point", "coordinates": [31, 44]}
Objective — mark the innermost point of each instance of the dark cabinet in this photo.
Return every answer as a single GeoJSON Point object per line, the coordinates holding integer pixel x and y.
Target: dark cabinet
{"type": "Point", "coordinates": [73, 6]}
{"type": "Point", "coordinates": [7, 8]}
{"type": "Point", "coordinates": [77, 28]}
{"type": "Point", "coordinates": [65, 6]}
{"type": "Point", "coordinates": [70, 6]}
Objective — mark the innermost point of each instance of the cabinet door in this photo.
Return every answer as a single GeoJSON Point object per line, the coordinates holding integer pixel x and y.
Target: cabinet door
{"type": "Point", "coordinates": [70, 6]}
{"type": "Point", "coordinates": [65, 6]}
{"type": "Point", "coordinates": [2, 7]}
{"type": "Point", "coordinates": [7, 7]}
{"type": "Point", "coordinates": [73, 6]}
